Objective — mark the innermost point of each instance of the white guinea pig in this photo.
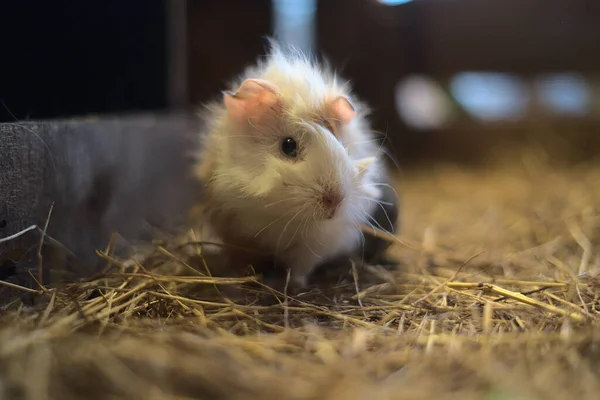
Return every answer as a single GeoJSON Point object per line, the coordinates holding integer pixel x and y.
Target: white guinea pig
{"type": "Point", "coordinates": [290, 164]}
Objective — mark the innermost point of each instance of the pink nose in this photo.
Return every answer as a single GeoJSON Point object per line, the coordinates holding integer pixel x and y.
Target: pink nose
{"type": "Point", "coordinates": [331, 201]}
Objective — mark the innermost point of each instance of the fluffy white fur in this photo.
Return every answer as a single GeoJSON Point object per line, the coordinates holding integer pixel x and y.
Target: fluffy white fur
{"type": "Point", "coordinates": [272, 201]}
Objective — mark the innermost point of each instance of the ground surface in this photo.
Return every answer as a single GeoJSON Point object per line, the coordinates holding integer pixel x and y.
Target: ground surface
{"type": "Point", "coordinates": [495, 296]}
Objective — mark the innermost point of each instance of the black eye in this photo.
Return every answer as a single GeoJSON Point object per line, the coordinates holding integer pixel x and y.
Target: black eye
{"type": "Point", "coordinates": [289, 147]}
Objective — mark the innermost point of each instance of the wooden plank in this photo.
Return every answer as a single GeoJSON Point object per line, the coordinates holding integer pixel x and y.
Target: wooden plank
{"type": "Point", "coordinates": [103, 175]}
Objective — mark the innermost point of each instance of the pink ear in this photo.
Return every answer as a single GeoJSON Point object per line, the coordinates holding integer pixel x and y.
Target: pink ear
{"type": "Point", "coordinates": [255, 100]}
{"type": "Point", "coordinates": [342, 110]}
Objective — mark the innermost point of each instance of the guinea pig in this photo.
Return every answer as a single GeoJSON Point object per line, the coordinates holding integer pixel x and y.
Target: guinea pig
{"type": "Point", "coordinates": [289, 163]}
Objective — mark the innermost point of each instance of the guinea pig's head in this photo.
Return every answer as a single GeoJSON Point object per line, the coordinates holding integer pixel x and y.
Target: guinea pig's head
{"type": "Point", "coordinates": [280, 160]}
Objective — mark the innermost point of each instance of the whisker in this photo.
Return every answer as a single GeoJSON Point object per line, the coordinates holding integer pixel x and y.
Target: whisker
{"type": "Point", "coordinates": [363, 240]}
{"type": "Point", "coordinates": [387, 203]}
{"type": "Point", "coordinates": [393, 160]}
{"type": "Point", "coordinates": [285, 228]}
{"type": "Point", "coordinates": [311, 250]}
{"type": "Point", "coordinates": [318, 241]}
{"type": "Point", "coordinates": [386, 215]}
{"type": "Point", "coordinates": [370, 217]}
{"type": "Point", "coordinates": [294, 235]}
{"type": "Point", "coordinates": [272, 222]}
{"type": "Point", "coordinates": [306, 226]}
{"type": "Point", "coordinates": [318, 227]}
{"type": "Point", "coordinates": [385, 136]}
{"type": "Point", "coordinates": [279, 201]}
{"type": "Point", "coordinates": [381, 228]}
{"type": "Point", "coordinates": [382, 184]}
{"type": "Point", "coordinates": [384, 150]}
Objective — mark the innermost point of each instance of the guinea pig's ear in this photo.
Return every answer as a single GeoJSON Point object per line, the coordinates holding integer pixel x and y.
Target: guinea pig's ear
{"type": "Point", "coordinates": [363, 165]}
{"type": "Point", "coordinates": [255, 101]}
{"type": "Point", "coordinates": [341, 110]}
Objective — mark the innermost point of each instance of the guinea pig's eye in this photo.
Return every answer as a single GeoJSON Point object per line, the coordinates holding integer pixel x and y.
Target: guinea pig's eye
{"type": "Point", "coordinates": [289, 147]}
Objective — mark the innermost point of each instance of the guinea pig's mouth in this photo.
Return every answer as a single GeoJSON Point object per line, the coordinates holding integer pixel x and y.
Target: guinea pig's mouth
{"type": "Point", "coordinates": [322, 204]}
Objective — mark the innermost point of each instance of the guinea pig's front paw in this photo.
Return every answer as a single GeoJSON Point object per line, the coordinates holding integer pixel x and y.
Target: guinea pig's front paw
{"type": "Point", "coordinates": [282, 284]}
{"type": "Point", "coordinates": [300, 264]}
{"type": "Point", "coordinates": [298, 281]}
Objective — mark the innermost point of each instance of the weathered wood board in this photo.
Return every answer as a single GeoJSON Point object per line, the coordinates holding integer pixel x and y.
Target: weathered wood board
{"type": "Point", "coordinates": [122, 174]}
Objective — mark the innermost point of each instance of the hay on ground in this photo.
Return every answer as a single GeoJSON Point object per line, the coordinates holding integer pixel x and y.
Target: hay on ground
{"type": "Point", "coordinates": [495, 295]}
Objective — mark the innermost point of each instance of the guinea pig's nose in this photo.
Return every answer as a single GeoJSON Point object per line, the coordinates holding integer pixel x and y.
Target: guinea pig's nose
{"type": "Point", "coordinates": [331, 201]}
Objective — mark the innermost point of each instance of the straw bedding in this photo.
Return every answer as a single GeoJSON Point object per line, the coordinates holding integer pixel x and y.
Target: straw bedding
{"type": "Point", "coordinates": [493, 294]}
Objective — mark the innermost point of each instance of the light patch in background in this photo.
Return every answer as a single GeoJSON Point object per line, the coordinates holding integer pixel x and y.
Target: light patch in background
{"type": "Point", "coordinates": [491, 96]}
{"type": "Point", "coordinates": [422, 103]}
{"type": "Point", "coordinates": [294, 23]}
{"type": "Point", "coordinates": [564, 93]}
{"type": "Point", "coordinates": [394, 2]}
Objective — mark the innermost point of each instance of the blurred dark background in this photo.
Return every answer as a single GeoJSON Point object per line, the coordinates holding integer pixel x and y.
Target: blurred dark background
{"type": "Point", "coordinates": [449, 80]}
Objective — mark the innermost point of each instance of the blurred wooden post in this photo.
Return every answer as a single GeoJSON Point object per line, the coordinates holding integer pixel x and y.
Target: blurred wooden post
{"type": "Point", "coordinates": [177, 78]}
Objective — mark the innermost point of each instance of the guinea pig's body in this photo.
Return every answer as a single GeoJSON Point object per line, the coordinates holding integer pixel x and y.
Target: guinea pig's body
{"type": "Point", "coordinates": [290, 164]}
